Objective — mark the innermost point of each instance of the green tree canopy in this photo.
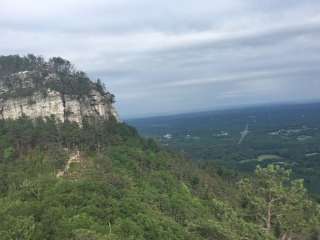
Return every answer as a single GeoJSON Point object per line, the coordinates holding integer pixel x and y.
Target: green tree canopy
{"type": "Point", "coordinates": [278, 203]}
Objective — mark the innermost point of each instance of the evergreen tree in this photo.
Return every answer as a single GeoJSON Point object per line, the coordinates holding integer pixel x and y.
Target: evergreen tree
{"type": "Point", "coordinates": [277, 203]}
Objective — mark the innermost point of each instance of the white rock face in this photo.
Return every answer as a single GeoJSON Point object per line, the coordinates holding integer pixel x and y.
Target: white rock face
{"type": "Point", "coordinates": [33, 107]}
{"type": "Point", "coordinates": [62, 107]}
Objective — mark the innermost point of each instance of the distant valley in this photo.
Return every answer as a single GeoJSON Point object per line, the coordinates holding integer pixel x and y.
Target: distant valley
{"type": "Point", "coordinates": [240, 139]}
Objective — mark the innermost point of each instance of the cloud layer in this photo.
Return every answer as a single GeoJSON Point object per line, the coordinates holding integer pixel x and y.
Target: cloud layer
{"type": "Point", "coordinates": [177, 56]}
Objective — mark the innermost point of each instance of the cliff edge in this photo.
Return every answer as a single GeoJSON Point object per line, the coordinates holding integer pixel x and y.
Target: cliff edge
{"type": "Point", "coordinates": [36, 88]}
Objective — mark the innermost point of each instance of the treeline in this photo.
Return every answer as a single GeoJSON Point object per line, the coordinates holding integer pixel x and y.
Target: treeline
{"type": "Point", "coordinates": [126, 187]}
{"type": "Point", "coordinates": [56, 74]}
{"type": "Point", "coordinates": [14, 63]}
{"type": "Point", "coordinates": [17, 137]}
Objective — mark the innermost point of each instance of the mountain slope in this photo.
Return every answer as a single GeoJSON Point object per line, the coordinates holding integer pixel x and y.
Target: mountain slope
{"type": "Point", "coordinates": [117, 185]}
{"type": "Point", "coordinates": [124, 187]}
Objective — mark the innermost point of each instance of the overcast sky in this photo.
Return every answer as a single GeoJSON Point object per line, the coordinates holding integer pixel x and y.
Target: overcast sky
{"type": "Point", "coordinates": [173, 56]}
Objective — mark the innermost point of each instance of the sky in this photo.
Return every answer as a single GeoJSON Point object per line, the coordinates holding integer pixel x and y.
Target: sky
{"type": "Point", "coordinates": [174, 56]}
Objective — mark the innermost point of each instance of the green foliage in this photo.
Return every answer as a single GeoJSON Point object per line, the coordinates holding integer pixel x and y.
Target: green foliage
{"type": "Point", "coordinates": [275, 134]}
{"type": "Point", "coordinates": [56, 74]}
{"type": "Point", "coordinates": [8, 154]}
{"type": "Point", "coordinates": [17, 228]}
{"type": "Point", "coordinates": [277, 203]}
{"type": "Point", "coordinates": [227, 224]}
{"type": "Point", "coordinates": [14, 63]}
{"type": "Point", "coordinates": [125, 187]}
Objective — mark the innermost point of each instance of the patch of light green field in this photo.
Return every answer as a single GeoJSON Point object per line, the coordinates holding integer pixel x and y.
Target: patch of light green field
{"type": "Point", "coordinates": [263, 157]}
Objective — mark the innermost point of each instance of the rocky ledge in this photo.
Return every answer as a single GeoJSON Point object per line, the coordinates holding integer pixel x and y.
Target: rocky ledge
{"type": "Point", "coordinates": [52, 88]}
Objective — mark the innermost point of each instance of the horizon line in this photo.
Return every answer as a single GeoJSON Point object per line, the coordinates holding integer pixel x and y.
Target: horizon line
{"type": "Point", "coordinates": [234, 107]}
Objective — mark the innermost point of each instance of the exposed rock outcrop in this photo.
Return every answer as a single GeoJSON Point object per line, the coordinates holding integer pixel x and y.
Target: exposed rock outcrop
{"type": "Point", "coordinates": [47, 92]}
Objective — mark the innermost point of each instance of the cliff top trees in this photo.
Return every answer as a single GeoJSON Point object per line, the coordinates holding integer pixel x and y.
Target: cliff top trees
{"type": "Point", "coordinates": [56, 73]}
{"type": "Point", "coordinates": [14, 63]}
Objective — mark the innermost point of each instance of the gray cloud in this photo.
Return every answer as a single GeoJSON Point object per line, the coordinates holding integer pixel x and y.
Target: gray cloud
{"type": "Point", "coordinates": [175, 56]}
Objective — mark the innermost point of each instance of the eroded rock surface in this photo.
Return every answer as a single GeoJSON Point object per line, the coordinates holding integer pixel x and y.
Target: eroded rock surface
{"type": "Point", "coordinates": [30, 93]}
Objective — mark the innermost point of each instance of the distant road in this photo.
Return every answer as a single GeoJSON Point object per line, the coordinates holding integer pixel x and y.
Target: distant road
{"type": "Point", "coordinates": [243, 134]}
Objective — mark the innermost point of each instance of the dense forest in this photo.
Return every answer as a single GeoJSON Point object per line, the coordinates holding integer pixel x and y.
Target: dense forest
{"type": "Point", "coordinates": [127, 187]}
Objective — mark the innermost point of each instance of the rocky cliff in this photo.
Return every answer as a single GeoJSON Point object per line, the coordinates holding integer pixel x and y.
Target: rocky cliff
{"type": "Point", "coordinates": [52, 88]}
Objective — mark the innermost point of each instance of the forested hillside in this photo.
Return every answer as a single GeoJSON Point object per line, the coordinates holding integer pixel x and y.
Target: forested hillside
{"type": "Point", "coordinates": [97, 179]}
{"type": "Point", "coordinates": [124, 187]}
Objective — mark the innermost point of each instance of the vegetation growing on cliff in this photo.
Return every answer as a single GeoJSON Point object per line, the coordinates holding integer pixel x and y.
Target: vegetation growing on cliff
{"type": "Point", "coordinates": [39, 75]}
{"type": "Point", "coordinates": [127, 187]}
